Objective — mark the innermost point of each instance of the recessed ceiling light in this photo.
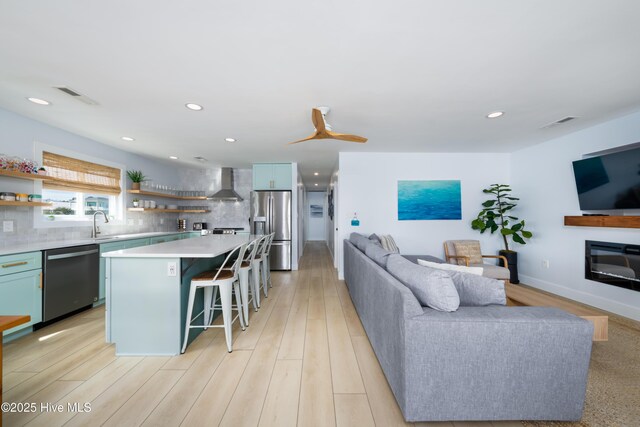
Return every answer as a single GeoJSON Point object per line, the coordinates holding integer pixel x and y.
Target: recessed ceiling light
{"type": "Point", "coordinates": [173, 157]}
{"type": "Point", "coordinates": [495, 114]}
{"type": "Point", "coordinates": [230, 139]}
{"type": "Point", "coordinates": [128, 138]}
{"type": "Point", "coordinates": [194, 107]}
{"type": "Point", "coordinates": [200, 159]}
{"type": "Point", "coordinates": [316, 173]}
{"type": "Point", "coordinates": [39, 101]}
{"type": "Point", "coordinates": [316, 184]}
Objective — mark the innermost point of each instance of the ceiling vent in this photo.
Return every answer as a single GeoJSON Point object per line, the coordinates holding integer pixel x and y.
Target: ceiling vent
{"type": "Point", "coordinates": [559, 122]}
{"type": "Point", "coordinates": [80, 97]}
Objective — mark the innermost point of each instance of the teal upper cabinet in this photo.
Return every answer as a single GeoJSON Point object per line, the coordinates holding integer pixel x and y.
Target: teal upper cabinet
{"type": "Point", "coordinates": [272, 176]}
{"type": "Point", "coordinates": [21, 287]}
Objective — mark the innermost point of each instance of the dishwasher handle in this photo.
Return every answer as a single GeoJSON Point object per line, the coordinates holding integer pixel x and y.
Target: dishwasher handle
{"type": "Point", "coordinates": [71, 254]}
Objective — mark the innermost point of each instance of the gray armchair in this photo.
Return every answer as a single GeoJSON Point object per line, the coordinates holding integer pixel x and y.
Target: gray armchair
{"type": "Point", "coordinates": [471, 257]}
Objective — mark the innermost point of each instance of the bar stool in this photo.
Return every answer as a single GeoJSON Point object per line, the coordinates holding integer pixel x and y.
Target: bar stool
{"type": "Point", "coordinates": [273, 235]}
{"type": "Point", "coordinates": [245, 269]}
{"type": "Point", "coordinates": [265, 265]}
{"type": "Point", "coordinates": [226, 279]}
{"type": "Point", "coordinates": [255, 267]}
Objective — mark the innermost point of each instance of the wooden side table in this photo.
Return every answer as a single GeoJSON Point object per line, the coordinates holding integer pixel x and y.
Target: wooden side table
{"type": "Point", "coordinates": [8, 322]}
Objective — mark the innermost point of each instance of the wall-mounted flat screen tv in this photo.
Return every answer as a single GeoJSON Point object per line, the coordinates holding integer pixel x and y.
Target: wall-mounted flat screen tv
{"type": "Point", "coordinates": [610, 181]}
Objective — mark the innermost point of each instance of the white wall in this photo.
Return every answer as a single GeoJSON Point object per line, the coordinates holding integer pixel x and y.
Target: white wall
{"type": "Point", "coordinates": [315, 226]}
{"type": "Point", "coordinates": [298, 196]}
{"type": "Point", "coordinates": [332, 227]}
{"type": "Point", "coordinates": [543, 176]}
{"type": "Point", "coordinates": [369, 186]}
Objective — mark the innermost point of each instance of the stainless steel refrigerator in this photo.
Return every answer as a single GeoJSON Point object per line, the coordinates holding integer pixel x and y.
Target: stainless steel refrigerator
{"type": "Point", "coordinates": [271, 213]}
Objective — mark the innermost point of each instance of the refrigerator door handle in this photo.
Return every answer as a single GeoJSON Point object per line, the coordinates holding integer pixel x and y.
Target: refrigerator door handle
{"type": "Point", "coordinates": [271, 213]}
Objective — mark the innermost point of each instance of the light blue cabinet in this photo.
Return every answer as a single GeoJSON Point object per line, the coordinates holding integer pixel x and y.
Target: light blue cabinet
{"type": "Point", "coordinates": [21, 287]}
{"type": "Point", "coordinates": [272, 176]}
{"type": "Point", "coordinates": [114, 246]}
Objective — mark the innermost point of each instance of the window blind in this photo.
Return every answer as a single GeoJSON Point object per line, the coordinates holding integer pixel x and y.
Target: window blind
{"type": "Point", "coordinates": [78, 175]}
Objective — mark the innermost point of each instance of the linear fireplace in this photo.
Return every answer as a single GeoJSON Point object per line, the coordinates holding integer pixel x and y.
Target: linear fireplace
{"type": "Point", "coordinates": [616, 264]}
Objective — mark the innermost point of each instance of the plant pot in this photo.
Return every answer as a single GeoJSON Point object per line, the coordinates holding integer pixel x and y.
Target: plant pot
{"type": "Point", "coordinates": [512, 260]}
{"type": "Point", "coordinates": [136, 204]}
{"type": "Point", "coordinates": [135, 185]}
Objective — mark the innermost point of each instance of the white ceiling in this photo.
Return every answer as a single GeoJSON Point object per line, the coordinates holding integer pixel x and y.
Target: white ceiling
{"type": "Point", "coordinates": [413, 76]}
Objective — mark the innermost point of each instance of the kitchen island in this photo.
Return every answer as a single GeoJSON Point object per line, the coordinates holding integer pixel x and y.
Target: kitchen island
{"type": "Point", "coordinates": [147, 290]}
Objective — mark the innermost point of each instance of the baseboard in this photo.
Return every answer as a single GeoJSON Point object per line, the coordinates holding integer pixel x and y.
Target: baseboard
{"type": "Point", "coordinates": [583, 297]}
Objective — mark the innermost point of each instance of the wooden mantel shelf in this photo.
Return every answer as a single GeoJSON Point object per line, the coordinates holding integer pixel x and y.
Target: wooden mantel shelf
{"type": "Point", "coordinates": [603, 221]}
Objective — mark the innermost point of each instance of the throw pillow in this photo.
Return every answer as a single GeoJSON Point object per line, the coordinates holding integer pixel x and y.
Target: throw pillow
{"type": "Point", "coordinates": [359, 241]}
{"type": "Point", "coordinates": [432, 288]}
{"type": "Point", "coordinates": [478, 291]}
{"type": "Point", "coordinates": [377, 254]}
{"type": "Point", "coordinates": [468, 248]}
{"type": "Point", "coordinates": [374, 237]}
{"type": "Point", "coordinates": [451, 267]}
{"type": "Point", "coordinates": [389, 244]}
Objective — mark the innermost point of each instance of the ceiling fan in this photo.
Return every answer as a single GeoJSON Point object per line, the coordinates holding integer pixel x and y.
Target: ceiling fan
{"type": "Point", "coordinates": [324, 131]}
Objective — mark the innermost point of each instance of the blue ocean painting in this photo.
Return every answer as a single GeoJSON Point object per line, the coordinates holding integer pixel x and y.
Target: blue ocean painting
{"type": "Point", "coordinates": [420, 200]}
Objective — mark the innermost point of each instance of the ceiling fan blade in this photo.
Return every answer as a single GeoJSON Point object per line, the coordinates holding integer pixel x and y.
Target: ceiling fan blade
{"type": "Point", "coordinates": [317, 119]}
{"type": "Point", "coordinates": [347, 137]}
{"type": "Point", "coordinates": [314, 136]}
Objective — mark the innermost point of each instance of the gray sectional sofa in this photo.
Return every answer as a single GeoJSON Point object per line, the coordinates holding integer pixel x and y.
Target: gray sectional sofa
{"type": "Point", "coordinates": [476, 363]}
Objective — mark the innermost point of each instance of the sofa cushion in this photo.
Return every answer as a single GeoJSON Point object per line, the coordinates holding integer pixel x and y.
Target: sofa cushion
{"type": "Point", "coordinates": [359, 241]}
{"type": "Point", "coordinates": [494, 271]}
{"type": "Point", "coordinates": [375, 238]}
{"type": "Point", "coordinates": [389, 244]}
{"type": "Point", "coordinates": [468, 248]}
{"type": "Point", "coordinates": [414, 258]}
{"type": "Point", "coordinates": [377, 254]}
{"type": "Point", "coordinates": [477, 291]}
{"type": "Point", "coordinates": [432, 288]}
{"type": "Point", "coordinates": [452, 267]}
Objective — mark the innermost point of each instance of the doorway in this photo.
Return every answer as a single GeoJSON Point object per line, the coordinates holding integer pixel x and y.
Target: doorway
{"type": "Point", "coordinates": [316, 213]}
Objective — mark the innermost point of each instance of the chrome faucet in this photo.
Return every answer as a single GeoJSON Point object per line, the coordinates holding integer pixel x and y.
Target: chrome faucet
{"type": "Point", "coordinates": [96, 230]}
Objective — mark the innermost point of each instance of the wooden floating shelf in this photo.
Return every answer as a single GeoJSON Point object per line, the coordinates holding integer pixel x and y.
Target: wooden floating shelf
{"type": "Point", "coordinates": [603, 221]}
{"type": "Point", "coordinates": [168, 210]}
{"type": "Point", "coordinates": [34, 177]}
{"type": "Point", "coordinates": [21, 175]}
{"type": "Point", "coordinates": [166, 196]}
{"type": "Point", "coordinates": [27, 204]}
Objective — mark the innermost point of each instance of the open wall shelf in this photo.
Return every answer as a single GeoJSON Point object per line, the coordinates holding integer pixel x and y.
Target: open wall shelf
{"type": "Point", "coordinates": [27, 204]}
{"type": "Point", "coordinates": [166, 196]}
{"type": "Point", "coordinates": [168, 210]}
{"type": "Point", "coordinates": [603, 221]}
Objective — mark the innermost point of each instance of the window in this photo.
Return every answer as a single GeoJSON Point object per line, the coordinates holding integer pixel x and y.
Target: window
{"type": "Point", "coordinates": [80, 188]}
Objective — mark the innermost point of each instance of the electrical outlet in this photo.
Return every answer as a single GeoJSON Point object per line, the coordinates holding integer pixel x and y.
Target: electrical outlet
{"type": "Point", "coordinates": [545, 263]}
{"type": "Point", "coordinates": [161, 221]}
{"type": "Point", "coordinates": [140, 222]}
{"type": "Point", "coordinates": [172, 269]}
{"type": "Point", "coordinates": [7, 226]}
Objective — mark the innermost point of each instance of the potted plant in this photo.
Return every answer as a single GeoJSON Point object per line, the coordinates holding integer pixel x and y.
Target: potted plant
{"type": "Point", "coordinates": [136, 203]}
{"type": "Point", "coordinates": [136, 178]}
{"type": "Point", "coordinates": [497, 215]}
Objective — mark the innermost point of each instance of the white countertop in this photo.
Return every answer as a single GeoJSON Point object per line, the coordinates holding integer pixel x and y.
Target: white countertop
{"type": "Point", "coordinates": [209, 246]}
{"type": "Point", "coordinates": [42, 246]}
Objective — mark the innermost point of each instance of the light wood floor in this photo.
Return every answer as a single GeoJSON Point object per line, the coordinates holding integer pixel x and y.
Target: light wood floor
{"type": "Point", "coordinates": [304, 360]}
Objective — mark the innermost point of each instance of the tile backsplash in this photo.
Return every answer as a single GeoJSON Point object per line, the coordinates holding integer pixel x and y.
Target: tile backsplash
{"type": "Point", "coordinates": [223, 214]}
{"type": "Point", "coordinates": [24, 231]}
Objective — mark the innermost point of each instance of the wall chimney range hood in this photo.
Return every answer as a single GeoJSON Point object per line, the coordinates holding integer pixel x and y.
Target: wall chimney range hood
{"type": "Point", "coordinates": [226, 193]}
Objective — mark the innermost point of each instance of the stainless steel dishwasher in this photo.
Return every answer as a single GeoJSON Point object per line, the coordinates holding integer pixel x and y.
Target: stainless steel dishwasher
{"type": "Point", "coordinates": [71, 280]}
